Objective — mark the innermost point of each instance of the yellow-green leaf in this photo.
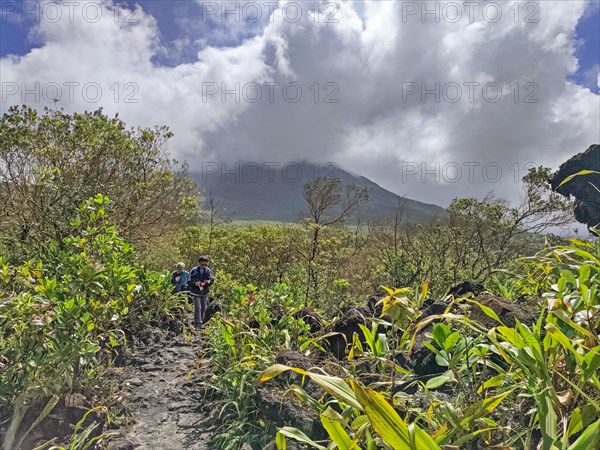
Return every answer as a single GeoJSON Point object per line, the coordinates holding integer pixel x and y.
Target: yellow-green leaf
{"type": "Point", "coordinates": [581, 172]}
{"type": "Point", "coordinates": [589, 439]}
{"type": "Point", "coordinates": [334, 386]}
{"type": "Point", "coordinates": [388, 424]}
{"type": "Point", "coordinates": [280, 442]}
{"type": "Point", "coordinates": [336, 431]}
{"type": "Point", "coordinates": [276, 369]}
{"type": "Point", "coordinates": [297, 435]}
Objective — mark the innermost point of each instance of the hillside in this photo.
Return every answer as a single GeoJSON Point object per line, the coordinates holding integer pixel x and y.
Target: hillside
{"type": "Point", "coordinates": [276, 195]}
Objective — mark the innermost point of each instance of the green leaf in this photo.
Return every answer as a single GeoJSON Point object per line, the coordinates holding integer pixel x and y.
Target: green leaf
{"type": "Point", "coordinates": [580, 418]}
{"type": "Point", "coordinates": [440, 332]}
{"type": "Point", "coordinates": [331, 423]}
{"type": "Point", "coordinates": [548, 420]}
{"type": "Point", "coordinates": [491, 403]}
{"type": "Point", "coordinates": [334, 386]}
{"type": "Point", "coordinates": [487, 311]}
{"type": "Point", "coordinates": [280, 442]}
{"type": "Point", "coordinates": [562, 315]}
{"type": "Point", "coordinates": [442, 359]}
{"type": "Point", "coordinates": [584, 273]}
{"type": "Point", "coordinates": [589, 439]}
{"type": "Point", "coordinates": [69, 304]}
{"type": "Point", "coordinates": [440, 380]}
{"type": "Point", "coordinates": [563, 340]}
{"type": "Point", "coordinates": [512, 336]}
{"type": "Point", "coordinates": [388, 424]}
{"type": "Point", "coordinates": [452, 340]}
{"type": "Point", "coordinates": [297, 435]}
{"type": "Point", "coordinates": [359, 422]}
{"type": "Point", "coordinates": [495, 381]}
{"type": "Point", "coordinates": [591, 363]}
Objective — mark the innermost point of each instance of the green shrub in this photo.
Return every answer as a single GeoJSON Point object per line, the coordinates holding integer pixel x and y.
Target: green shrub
{"type": "Point", "coordinates": [65, 313]}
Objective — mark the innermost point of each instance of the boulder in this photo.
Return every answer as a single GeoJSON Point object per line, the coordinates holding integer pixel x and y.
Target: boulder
{"type": "Point", "coordinates": [348, 324]}
{"type": "Point", "coordinates": [466, 287]}
{"type": "Point", "coordinates": [286, 410]}
{"type": "Point", "coordinates": [587, 198]}
{"type": "Point", "coordinates": [422, 360]}
{"type": "Point", "coordinates": [311, 318]}
{"type": "Point", "coordinates": [527, 312]}
{"type": "Point", "coordinates": [59, 422]}
{"type": "Point", "coordinates": [373, 306]}
{"type": "Point", "coordinates": [211, 309]}
{"type": "Point", "coordinates": [293, 358]}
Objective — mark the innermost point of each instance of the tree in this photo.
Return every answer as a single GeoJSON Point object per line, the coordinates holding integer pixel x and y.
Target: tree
{"type": "Point", "coordinates": [498, 233]}
{"type": "Point", "coordinates": [473, 237]}
{"type": "Point", "coordinates": [214, 219]}
{"type": "Point", "coordinates": [52, 162]}
{"type": "Point", "coordinates": [388, 234]}
{"type": "Point", "coordinates": [328, 205]}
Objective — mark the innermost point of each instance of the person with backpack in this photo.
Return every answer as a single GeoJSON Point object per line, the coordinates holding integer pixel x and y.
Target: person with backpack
{"type": "Point", "coordinates": [201, 279]}
{"type": "Point", "coordinates": [180, 278]}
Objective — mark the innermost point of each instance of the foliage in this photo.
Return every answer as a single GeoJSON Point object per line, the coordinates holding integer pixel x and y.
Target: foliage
{"type": "Point", "coordinates": [246, 338]}
{"type": "Point", "coordinates": [472, 239]}
{"type": "Point", "coordinates": [64, 314]}
{"type": "Point", "coordinates": [327, 206]}
{"type": "Point", "coordinates": [80, 439]}
{"type": "Point", "coordinates": [521, 386]}
{"type": "Point", "coordinates": [52, 162]}
{"type": "Point", "coordinates": [269, 254]}
{"type": "Point", "coordinates": [364, 412]}
{"type": "Point", "coordinates": [66, 311]}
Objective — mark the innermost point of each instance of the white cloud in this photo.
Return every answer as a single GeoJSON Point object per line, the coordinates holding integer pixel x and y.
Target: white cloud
{"type": "Point", "coordinates": [371, 57]}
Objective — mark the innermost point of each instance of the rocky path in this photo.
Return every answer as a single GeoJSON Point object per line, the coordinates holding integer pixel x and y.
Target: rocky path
{"type": "Point", "coordinates": [164, 396]}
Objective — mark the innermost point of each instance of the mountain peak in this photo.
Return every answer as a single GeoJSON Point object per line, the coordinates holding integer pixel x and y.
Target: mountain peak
{"type": "Point", "coordinates": [274, 191]}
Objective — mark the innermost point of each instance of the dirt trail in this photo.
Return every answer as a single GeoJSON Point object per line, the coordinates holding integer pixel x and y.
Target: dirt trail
{"type": "Point", "coordinates": [164, 395]}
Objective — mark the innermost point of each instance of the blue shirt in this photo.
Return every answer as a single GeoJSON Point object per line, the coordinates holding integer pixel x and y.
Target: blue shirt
{"type": "Point", "coordinates": [184, 278]}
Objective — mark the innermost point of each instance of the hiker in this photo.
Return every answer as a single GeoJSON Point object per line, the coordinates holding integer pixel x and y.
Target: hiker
{"type": "Point", "coordinates": [180, 278]}
{"type": "Point", "coordinates": [200, 282]}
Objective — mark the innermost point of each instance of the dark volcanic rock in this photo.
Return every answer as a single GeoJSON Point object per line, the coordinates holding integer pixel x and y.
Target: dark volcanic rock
{"type": "Point", "coordinates": [347, 325]}
{"type": "Point", "coordinates": [290, 445]}
{"type": "Point", "coordinates": [311, 318]}
{"type": "Point", "coordinates": [288, 411]}
{"type": "Point", "coordinates": [422, 360]}
{"type": "Point", "coordinates": [296, 359]}
{"type": "Point", "coordinates": [587, 204]}
{"type": "Point", "coordinates": [376, 309]}
{"type": "Point", "coordinates": [211, 309]}
{"type": "Point", "coordinates": [293, 358]}
{"type": "Point", "coordinates": [465, 288]}
{"type": "Point", "coordinates": [527, 312]}
{"type": "Point", "coordinates": [59, 422]}
{"type": "Point", "coordinates": [433, 309]}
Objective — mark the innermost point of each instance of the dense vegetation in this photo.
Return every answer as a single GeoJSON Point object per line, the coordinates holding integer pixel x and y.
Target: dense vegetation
{"type": "Point", "coordinates": [417, 367]}
{"type": "Point", "coordinates": [65, 314]}
{"type": "Point", "coordinates": [51, 163]}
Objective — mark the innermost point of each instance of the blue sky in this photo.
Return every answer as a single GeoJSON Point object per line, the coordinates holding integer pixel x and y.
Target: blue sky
{"type": "Point", "coordinates": [177, 21]}
{"type": "Point", "coordinates": [588, 49]}
{"type": "Point", "coordinates": [182, 21]}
